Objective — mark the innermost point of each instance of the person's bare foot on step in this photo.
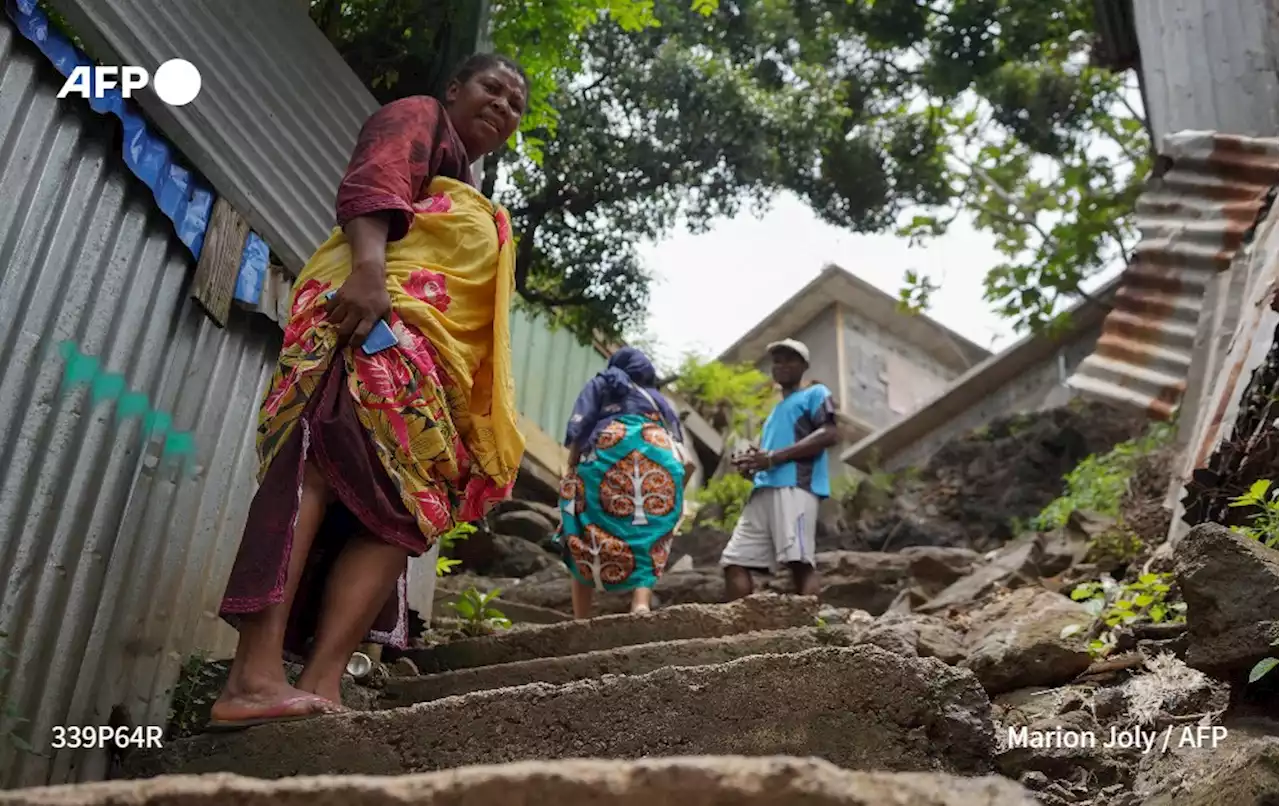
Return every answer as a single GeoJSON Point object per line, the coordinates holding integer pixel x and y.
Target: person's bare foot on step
{"type": "Point", "coordinates": [267, 700]}
{"type": "Point", "coordinates": [330, 693]}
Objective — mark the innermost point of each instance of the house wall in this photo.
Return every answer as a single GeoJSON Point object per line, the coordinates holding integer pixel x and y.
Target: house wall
{"type": "Point", "coordinates": [1042, 386]}
{"type": "Point", "coordinates": [886, 378]}
{"type": "Point", "coordinates": [115, 537]}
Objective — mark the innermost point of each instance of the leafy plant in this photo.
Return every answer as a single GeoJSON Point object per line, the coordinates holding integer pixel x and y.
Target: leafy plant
{"type": "Point", "coordinates": [478, 618]}
{"type": "Point", "coordinates": [10, 719]}
{"type": "Point", "coordinates": [727, 495]}
{"type": "Point", "coordinates": [1266, 521]}
{"type": "Point", "coordinates": [1113, 605]}
{"type": "Point", "coordinates": [732, 397]}
{"type": "Point", "coordinates": [460, 532]}
{"type": "Point", "coordinates": [847, 487]}
{"type": "Point", "coordinates": [1263, 667]}
{"type": "Point", "coordinates": [198, 687]}
{"type": "Point", "coordinates": [1114, 548]}
{"type": "Point", "coordinates": [1099, 482]}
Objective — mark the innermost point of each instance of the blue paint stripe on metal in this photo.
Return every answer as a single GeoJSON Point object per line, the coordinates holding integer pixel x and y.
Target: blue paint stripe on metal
{"type": "Point", "coordinates": [180, 194]}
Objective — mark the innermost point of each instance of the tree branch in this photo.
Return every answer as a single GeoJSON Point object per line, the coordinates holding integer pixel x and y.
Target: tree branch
{"type": "Point", "coordinates": [1048, 243]}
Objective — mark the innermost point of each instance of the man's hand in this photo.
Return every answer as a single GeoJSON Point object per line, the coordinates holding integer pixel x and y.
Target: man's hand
{"type": "Point", "coordinates": [755, 461]}
{"type": "Point", "coordinates": [360, 303]}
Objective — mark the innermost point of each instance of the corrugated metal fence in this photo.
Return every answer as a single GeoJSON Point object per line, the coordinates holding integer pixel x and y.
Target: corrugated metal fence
{"type": "Point", "coordinates": [122, 496]}
{"type": "Point", "coordinates": [551, 368]}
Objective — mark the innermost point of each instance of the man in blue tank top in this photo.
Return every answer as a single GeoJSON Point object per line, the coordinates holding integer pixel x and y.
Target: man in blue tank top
{"type": "Point", "coordinates": [779, 523]}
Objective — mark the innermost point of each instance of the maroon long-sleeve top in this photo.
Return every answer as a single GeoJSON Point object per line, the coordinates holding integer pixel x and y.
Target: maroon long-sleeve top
{"type": "Point", "coordinates": [401, 148]}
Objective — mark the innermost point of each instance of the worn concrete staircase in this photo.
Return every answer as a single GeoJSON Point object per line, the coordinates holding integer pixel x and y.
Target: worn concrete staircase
{"type": "Point", "coordinates": [759, 677]}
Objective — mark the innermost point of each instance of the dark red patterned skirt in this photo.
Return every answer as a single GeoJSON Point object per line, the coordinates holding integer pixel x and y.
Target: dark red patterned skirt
{"type": "Point", "coordinates": [366, 503]}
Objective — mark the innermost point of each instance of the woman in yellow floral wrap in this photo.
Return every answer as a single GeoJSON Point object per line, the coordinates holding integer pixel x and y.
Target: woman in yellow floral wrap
{"type": "Point", "coordinates": [366, 459]}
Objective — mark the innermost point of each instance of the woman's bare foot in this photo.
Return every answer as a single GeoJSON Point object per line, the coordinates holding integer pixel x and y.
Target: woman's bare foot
{"type": "Point", "coordinates": [331, 692]}
{"type": "Point", "coordinates": [266, 700]}
{"type": "Point", "coordinates": [641, 599]}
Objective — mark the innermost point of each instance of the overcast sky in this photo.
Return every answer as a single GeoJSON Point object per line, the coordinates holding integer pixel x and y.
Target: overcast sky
{"type": "Point", "coordinates": [711, 289]}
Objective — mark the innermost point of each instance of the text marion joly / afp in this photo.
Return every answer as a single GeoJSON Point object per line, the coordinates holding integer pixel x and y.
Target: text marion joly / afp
{"type": "Point", "coordinates": [1126, 738]}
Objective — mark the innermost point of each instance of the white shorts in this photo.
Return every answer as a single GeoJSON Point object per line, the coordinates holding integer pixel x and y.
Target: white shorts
{"type": "Point", "coordinates": [778, 526]}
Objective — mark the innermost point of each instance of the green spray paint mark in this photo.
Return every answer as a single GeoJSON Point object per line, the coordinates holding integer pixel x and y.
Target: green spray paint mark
{"type": "Point", "coordinates": [80, 369]}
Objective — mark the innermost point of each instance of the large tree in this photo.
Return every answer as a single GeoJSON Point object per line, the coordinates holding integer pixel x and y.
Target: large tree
{"type": "Point", "coordinates": [884, 115]}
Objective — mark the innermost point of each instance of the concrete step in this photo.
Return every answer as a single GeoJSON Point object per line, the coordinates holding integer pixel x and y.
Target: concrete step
{"type": "Point", "coordinates": [639, 659]}
{"type": "Point", "coordinates": [761, 612]}
{"type": "Point", "coordinates": [709, 781]}
{"type": "Point", "coordinates": [859, 707]}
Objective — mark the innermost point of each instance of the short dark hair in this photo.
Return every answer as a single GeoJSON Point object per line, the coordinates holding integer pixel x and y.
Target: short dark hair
{"type": "Point", "coordinates": [479, 62]}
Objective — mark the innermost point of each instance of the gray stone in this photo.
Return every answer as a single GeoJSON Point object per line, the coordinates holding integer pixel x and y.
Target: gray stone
{"type": "Point", "coordinates": [1229, 583]}
{"type": "Point", "coordinates": [1239, 771]}
{"type": "Point", "coordinates": [518, 558]}
{"type": "Point", "coordinates": [1016, 641]}
{"type": "Point", "coordinates": [927, 636]}
{"type": "Point", "coordinates": [527, 524]}
{"type": "Point", "coordinates": [1014, 564]}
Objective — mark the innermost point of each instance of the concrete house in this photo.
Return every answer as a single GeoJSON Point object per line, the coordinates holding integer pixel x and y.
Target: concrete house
{"type": "Point", "coordinates": [880, 363]}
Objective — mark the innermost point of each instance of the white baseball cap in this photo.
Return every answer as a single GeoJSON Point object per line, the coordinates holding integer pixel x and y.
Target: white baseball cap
{"type": "Point", "coordinates": [794, 346]}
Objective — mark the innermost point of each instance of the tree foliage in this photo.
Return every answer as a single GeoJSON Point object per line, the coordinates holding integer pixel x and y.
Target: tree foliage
{"type": "Point", "coordinates": [733, 398]}
{"type": "Point", "coordinates": [882, 115]}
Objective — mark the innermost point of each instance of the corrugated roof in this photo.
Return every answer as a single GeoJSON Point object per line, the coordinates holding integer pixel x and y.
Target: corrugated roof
{"type": "Point", "coordinates": [1192, 219]}
{"type": "Point", "coordinates": [278, 114]}
{"type": "Point", "coordinates": [112, 557]}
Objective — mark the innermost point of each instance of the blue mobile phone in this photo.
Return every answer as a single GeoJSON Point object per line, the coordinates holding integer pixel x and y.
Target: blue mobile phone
{"type": "Point", "coordinates": [379, 339]}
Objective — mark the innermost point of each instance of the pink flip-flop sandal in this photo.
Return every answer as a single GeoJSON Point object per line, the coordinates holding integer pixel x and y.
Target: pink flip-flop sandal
{"type": "Point", "coordinates": [276, 713]}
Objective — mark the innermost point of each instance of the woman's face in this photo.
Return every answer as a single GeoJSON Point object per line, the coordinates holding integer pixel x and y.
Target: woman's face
{"type": "Point", "coordinates": [486, 108]}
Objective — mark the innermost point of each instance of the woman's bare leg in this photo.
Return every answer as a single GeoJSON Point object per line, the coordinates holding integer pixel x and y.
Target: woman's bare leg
{"type": "Point", "coordinates": [583, 595]}
{"type": "Point", "coordinates": [256, 681]}
{"type": "Point", "coordinates": [641, 600]}
{"type": "Point", "coordinates": [362, 579]}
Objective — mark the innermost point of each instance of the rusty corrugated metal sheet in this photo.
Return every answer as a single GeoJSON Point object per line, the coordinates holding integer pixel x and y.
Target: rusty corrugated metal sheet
{"type": "Point", "coordinates": [1242, 343]}
{"type": "Point", "coordinates": [1192, 220]}
{"type": "Point", "coordinates": [113, 553]}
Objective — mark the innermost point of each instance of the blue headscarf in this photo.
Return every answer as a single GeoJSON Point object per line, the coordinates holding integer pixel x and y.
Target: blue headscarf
{"type": "Point", "coordinates": [614, 389]}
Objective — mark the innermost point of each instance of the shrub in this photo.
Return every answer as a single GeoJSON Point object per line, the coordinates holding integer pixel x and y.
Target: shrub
{"type": "Point", "coordinates": [478, 618]}
{"type": "Point", "coordinates": [460, 532]}
{"type": "Point", "coordinates": [1099, 482]}
{"type": "Point", "coordinates": [726, 495]}
{"type": "Point", "coordinates": [736, 395]}
{"type": "Point", "coordinates": [1113, 605]}
{"type": "Point", "coordinates": [1266, 518]}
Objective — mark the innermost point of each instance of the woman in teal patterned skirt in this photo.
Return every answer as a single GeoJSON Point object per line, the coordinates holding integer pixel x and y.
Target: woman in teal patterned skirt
{"type": "Point", "coordinates": [623, 496]}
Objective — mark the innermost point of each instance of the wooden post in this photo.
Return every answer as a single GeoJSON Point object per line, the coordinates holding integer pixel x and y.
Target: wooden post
{"type": "Point", "coordinates": [219, 265]}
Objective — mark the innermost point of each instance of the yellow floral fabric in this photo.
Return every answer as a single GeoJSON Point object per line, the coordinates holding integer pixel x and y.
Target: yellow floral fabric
{"type": "Point", "coordinates": [439, 408]}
